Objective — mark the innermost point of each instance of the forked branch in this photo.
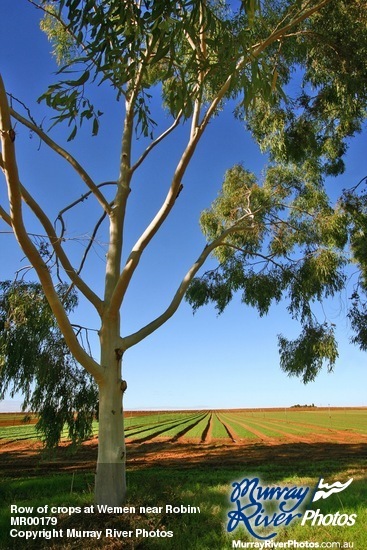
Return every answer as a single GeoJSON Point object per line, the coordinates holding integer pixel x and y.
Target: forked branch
{"type": "Point", "coordinates": [67, 156]}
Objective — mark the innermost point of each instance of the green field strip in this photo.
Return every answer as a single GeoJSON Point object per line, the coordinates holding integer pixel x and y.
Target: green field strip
{"type": "Point", "coordinates": [306, 429]}
{"type": "Point", "coordinates": [276, 431]}
{"type": "Point", "coordinates": [338, 421]}
{"type": "Point", "coordinates": [201, 423]}
{"type": "Point", "coordinates": [258, 430]}
{"type": "Point", "coordinates": [304, 433]}
{"type": "Point", "coordinates": [285, 427]}
{"type": "Point", "coordinates": [19, 433]}
{"type": "Point", "coordinates": [239, 428]}
{"type": "Point", "coordinates": [152, 419]}
{"type": "Point", "coordinates": [152, 432]}
{"type": "Point", "coordinates": [174, 430]}
{"type": "Point", "coordinates": [200, 430]}
{"type": "Point", "coordinates": [180, 429]}
{"type": "Point", "coordinates": [292, 427]}
{"type": "Point", "coordinates": [297, 430]}
{"type": "Point", "coordinates": [218, 429]}
{"type": "Point", "coordinates": [355, 421]}
{"type": "Point", "coordinates": [149, 429]}
{"type": "Point", "coordinates": [155, 423]}
{"type": "Point", "coordinates": [133, 427]}
{"type": "Point", "coordinates": [207, 430]}
{"type": "Point", "coordinates": [229, 429]}
{"type": "Point", "coordinates": [263, 428]}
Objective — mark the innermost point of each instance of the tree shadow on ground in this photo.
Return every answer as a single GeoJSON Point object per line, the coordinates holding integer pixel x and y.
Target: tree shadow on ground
{"type": "Point", "coordinates": [290, 458]}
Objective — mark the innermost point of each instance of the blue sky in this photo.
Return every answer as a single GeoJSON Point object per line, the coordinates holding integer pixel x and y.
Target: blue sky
{"type": "Point", "coordinates": [194, 361]}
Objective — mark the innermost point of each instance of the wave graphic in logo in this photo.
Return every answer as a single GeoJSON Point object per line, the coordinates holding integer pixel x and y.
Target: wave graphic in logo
{"type": "Point", "coordinates": [324, 490]}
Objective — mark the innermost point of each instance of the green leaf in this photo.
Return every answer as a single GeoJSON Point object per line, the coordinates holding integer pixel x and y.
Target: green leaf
{"type": "Point", "coordinates": [79, 82]}
{"type": "Point", "coordinates": [95, 127]}
{"type": "Point", "coordinates": [73, 134]}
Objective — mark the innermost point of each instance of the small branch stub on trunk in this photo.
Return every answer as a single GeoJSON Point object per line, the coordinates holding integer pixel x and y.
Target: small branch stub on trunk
{"type": "Point", "coordinates": [119, 353]}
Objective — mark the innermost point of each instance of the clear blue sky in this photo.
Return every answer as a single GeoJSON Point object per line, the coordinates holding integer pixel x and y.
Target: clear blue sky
{"type": "Point", "coordinates": [200, 361]}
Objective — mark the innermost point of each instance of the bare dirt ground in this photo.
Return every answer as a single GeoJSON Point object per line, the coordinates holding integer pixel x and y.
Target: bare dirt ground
{"type": "Point", "coordinates": [16, 458]}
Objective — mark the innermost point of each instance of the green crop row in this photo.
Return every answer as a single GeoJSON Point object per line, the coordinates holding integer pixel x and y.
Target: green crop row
{"type": "Point", "coordinates": [166, 429]}
{"type": "Point", "coordinates": [177, 427]}
{"type": "Point", "coordinates": [197, 431]}
{"type": "Point", "coordinates": [271, 428]}
{"type": "Point", "coordinates": [306, 421]}
{"type": "Point", "coordinates": [18, 432]}
{"type": "Point", "coordinates": [354, 419]}
{"type": "Point", "coordinates": [154, 421]}
{"type": "Point", "coordinates": [238, 428]}
{"type": "Point", "coordinates": [218, 429]}
{"type": "Point", "coordinates": [137, 420]}
{"type": "Point", "coordinates": [264, 427]}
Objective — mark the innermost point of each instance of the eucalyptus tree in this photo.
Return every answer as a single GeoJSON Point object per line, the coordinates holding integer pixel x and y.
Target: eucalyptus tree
{"type": "Point", "coordinates": [273, 237]}
{"type": "Point", "coordinates": [36, 362]}
{"type": "Point", "coordinates": [354, 203]}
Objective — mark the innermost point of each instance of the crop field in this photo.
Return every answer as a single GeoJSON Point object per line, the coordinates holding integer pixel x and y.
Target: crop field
{"type": "Point", "coordinates": [227, 426]}
{"type": "Point", "coordinates": [241, 427]}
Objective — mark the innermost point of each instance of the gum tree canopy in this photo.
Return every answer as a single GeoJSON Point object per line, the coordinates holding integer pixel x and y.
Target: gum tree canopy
{"type": "Point", "coordinates": [296, 69]}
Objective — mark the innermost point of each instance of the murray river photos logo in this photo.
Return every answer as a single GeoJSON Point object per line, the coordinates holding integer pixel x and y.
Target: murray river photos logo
{"type": "Point", "coordinates": [257, 506]}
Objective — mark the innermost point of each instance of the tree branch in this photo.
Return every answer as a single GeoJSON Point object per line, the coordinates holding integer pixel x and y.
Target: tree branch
{"type": "Point", "coordinates": [16, 215]}
{"type": "Point", "coordinates": [136, 337]}
{"type": "Point", "coordinates": [90, 244]}
{"type": "Point", "coordinates": [5, 216]}
{"type": "Point", "coordinates": [201, 54]}
{"type": "Point", "coordinates": [67, 156]}
{"type": "Point", "coordinates": [157, 141]}
{"type": "Point", "coordinates": [75, 203]}
{"type": "Point", "coordinates": [55, 242]}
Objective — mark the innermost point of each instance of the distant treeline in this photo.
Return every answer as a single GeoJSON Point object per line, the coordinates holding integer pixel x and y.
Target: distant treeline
{"type": "Point", "coordinates": [303, 406]}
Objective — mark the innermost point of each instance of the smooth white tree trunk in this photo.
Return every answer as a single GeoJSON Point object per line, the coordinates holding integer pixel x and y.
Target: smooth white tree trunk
{"type": "Point", "coordinates": [110, 481]}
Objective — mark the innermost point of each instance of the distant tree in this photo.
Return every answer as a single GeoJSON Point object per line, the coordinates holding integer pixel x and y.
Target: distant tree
{"type": "Point", "coordinates": [35, 361]}
{"type": "Point", "coordinates": [272, 238]}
